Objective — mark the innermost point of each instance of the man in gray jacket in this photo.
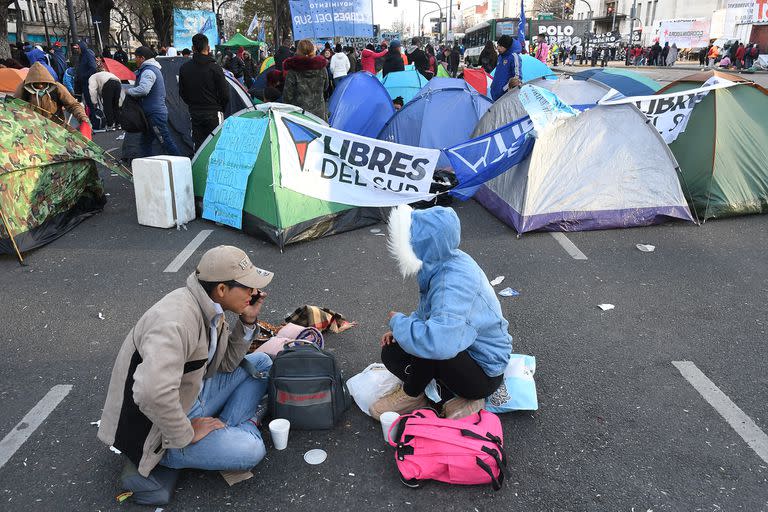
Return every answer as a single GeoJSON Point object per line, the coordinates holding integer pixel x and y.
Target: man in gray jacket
{"type": "Point", "coordinates": [178, 395]}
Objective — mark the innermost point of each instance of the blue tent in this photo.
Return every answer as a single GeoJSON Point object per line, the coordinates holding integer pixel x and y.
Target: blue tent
{"type": "Point", "coordinates": [404, 83]}
{"type": "Point", "coordinates": [360, 105]}
{"type": "Point", "coordinates": [408, 67]}
{"type": "Point", "coordinates": [533, 68]}
{"type": "Point", "coordinates": [628, 83]}
{"type": "Point", "coordinates": [437, 118]}
{"type": "Point", "coordinates": [438, 83]}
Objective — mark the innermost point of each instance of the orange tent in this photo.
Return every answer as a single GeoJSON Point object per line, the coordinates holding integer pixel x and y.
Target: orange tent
{"type": "Point", "coordinates": [11, 78]}
{"type": "Point", "coordinates": [119, 70]}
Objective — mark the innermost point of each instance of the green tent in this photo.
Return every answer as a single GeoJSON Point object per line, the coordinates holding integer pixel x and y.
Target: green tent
{"type": "Point", "coordinates": [48, 177]}
{"type": "Point", "coordinates": [441, 72]}
{"type": "Point", "coordinates": [723, 153]}
{"type": "Point", "coordinates": [283, 215]}
{"type": "Point", "coordinates": [238, 40]}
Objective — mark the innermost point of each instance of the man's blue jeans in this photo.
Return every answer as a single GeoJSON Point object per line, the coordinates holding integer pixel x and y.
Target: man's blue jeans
{"type": "Point", "coordinates": [158, 129]}
{"type": "Point", "coordinates": [233, 398]}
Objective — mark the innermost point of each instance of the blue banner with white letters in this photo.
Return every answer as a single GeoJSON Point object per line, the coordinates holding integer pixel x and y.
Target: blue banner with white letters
{"type": "Point", "coordinates": [317, 19]}
{"type": "Point", "coordinates": [483, 158]}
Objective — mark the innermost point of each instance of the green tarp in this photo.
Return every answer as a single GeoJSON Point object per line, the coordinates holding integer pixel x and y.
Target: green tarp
{"type": "Point", "coordinates": [238, 40]}
{"type": "Point", "coordinates": [283, 215]}
{"type": "Point", "coordinates": [723, 153]}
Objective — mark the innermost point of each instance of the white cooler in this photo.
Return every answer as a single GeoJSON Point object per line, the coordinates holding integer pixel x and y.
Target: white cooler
{"type": "Point", "coordinates": [164, 193]}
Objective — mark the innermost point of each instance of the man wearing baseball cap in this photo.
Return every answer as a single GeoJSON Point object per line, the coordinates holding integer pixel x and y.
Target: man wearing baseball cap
{"type": "Point", "coordinates": [178, 395]}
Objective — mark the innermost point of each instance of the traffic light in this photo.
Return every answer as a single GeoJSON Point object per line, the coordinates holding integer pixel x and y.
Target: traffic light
{"type": "Point", "coordinates": [436, 28]}
{"type": "Point", "coordinates": [375, 31]}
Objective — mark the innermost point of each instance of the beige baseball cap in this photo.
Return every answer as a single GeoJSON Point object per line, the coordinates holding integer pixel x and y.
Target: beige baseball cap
{"type": "Point", "coordinates": [228, 263]}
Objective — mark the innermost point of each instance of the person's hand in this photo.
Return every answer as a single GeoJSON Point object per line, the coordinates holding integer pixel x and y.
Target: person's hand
{"type": "Point", "coordinates": [387, 339]}
{"type": "Point", "coordinates": [391, 314]}
{"type": "Point", "coordinates": [251, 313]}
{"type": "Point", "coordinates": [514, 82]}
{"type": "Point", "coordinates": [204, 426]}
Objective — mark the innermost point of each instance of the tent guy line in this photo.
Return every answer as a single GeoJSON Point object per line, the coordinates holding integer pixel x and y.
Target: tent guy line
{"type": "Point", "coordinates": [569, 246]}
{"type": "Point", "coordinates": [188, 251]}
{"type": "Point", "coordinates": [29, 423]}
{"type": "Point", "coordinates": [732, 413]}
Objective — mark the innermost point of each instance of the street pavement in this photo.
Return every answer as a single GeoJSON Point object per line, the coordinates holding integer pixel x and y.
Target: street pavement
{"type": "Point", "coordinates": [618, 427]}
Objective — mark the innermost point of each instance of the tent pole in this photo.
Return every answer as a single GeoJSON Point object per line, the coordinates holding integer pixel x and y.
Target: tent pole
{"type": "Point", "coordinates": [10, 235]}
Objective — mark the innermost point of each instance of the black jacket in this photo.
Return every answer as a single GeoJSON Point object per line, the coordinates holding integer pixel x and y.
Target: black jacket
{"type": "Point", "coordinates": [419, 59]}
{"type": "Point", "coordinates": [393, 61]}
{"type": "Point", "coordinates": [202, 84]}
{"type": "Point", "coordinates": [282, 53]}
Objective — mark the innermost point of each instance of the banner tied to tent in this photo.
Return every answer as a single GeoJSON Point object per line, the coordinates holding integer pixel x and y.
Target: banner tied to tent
{"type": "Point", "coordinates": [230, 167]}
{"type": "Point", "coordinates": [337, 166]}
{"type": "Point", "coordinates": [187, 23]}
{"type": "Point", "coordinates": [670, 113]}
{"type": "Point", "coordinates": [543, 106]}
{"type": "Point", "coordinates": [483, 158]}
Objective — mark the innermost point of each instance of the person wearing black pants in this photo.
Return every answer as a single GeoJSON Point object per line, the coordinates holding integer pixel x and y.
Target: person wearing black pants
{"type": "Point", "coordinates": [110, 95]}
{"type": "Point", "coordinates": [203, 124]}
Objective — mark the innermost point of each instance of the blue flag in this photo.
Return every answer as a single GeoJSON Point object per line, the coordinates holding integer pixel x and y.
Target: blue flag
{"type": "Point", "coordinates": [483, 158]}
{"type": "Point", "coordinates": [521, 25]}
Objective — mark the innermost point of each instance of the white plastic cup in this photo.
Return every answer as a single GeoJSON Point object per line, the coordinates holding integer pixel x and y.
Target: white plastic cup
{"type": "Point", "coordinates": [279, 429]}
{"type": "Point", "coordinates": [387, 419]}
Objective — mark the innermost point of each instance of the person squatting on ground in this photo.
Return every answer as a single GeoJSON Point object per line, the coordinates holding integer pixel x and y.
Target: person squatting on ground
{"type": "Point", "coordinates": [178, 396]}
{"type": "Point", "coordinates": [457, 335]}
{"type": "Point", "coordinates": [203, 87]}
{"type": "Point", "coordinates": [150, 89]}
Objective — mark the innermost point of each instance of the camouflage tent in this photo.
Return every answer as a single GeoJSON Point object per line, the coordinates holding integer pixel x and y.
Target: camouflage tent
{"type": "Point", "coordinates": [48, 177]}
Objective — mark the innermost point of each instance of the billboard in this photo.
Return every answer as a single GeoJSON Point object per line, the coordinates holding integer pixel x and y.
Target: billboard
{"type": "Point", "coordinates": [745, 12]}
{"type": "Point", "coordinates": [690, 33]}
{"type": "Point", "coordinates": [187, 23]}
{"type": "Point", "coordinates": [318, 19]}
{"type": "Point", "coordinates": [562, 32]}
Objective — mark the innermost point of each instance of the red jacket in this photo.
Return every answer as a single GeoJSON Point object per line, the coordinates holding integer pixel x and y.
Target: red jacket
{"type": "Point", "coordinates": [740, 53]}
{"type": "Point", "coordinates": [368, 60]}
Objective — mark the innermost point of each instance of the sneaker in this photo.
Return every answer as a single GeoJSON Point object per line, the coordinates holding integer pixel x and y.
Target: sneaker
{"type": "Point", "coordinates": [457, 408]}
{"type": "Point", "coordinates": [397, 401]}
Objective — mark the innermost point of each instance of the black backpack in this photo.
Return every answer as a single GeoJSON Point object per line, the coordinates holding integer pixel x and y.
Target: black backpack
{"type": "Point", "coordinates": [131, 117]}
{"type": "Point", "coordinates": [306, 387]}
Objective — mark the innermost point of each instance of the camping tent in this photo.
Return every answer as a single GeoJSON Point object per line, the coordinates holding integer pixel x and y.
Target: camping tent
{"type": "Point", "coordinates": [508, 108]}
{"type": "Point", "coordinates": [444, 113]}
{"type": "Point", "coordinates": [478, 79]}
{"type": "Point", "coordinates": [11, 78]}
{"type": "Point", "coordinates": [283, 215]}
{"type": "Point", "coordinates": [48, 177]}
{"type": "Point", "coordinates": [360, 105]}
{"type": "Point", "coordinates": [591, 179]}
{"type": "Point", "coordinates": [178, 113]}
{"type": "Point", "coordinates": [238, 40]}
{"type": "Point", "coordinates": [407, 67]}
{"type": "Point", "coordinates": [266, 64]}
{"type": "Point", "coordinates": [628, 83]}
{"type": "Point", "coordinates": [404, 83]}
{"type": "Point", "coordinates": [118, 69]}
{"type": "Point", "coordinates": [724, 149]}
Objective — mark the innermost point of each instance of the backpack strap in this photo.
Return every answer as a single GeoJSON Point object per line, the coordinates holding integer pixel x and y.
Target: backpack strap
{"type": "Point", "coordinates": [495, 482]}
{"type": "Point", "coordinates": [488, 437]}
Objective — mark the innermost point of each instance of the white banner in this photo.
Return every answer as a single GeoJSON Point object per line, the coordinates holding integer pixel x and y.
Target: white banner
{"type": "Point", "coordinates": [345, 168]}
{"type": "Point", "coordinates": [745, 12]}
{"type": "Point", "coordinates": [693, 33]}
{"type": "Point", "coordinates": [670, 113]}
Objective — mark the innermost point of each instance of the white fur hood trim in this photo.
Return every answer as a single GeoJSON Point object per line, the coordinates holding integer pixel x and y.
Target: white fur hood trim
{"type": "Point", "coordinates": [399, 242]}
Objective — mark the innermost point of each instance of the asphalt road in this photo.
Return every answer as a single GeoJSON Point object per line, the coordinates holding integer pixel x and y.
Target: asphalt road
{"type": "Point", "coordinates": [618, 427]}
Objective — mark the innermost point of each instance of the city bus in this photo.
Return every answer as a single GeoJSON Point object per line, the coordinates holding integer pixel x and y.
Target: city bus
{"type": "Point", "coordinates": [476, 37]}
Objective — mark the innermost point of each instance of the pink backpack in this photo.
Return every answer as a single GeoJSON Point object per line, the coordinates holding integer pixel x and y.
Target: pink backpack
{"type": "Point", "coordinates": [468, 451]}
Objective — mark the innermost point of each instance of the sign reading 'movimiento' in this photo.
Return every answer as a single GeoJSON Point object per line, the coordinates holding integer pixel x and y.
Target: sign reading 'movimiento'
{"type": "Point", "coordinates": [317, 19]}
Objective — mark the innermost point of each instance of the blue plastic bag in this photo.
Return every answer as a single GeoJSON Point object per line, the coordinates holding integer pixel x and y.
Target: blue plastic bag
{"type": "Point", "coordinates": [518, 390]}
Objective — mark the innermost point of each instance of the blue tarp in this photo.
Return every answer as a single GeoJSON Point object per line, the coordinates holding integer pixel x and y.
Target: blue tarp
{"type": "Point", "coordinates": [437, 118]}
{"type": "Point", "coordinates": [625, 83]}
{"type": "Point", "coordinates": [404, 83]}
{"type": "Point", "coordinates": [360, 105]}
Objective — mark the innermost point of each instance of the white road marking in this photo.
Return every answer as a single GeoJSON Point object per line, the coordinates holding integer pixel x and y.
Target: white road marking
{"type": "Point", "coordinates": [188, 251]}
{"type": "Point", "coordinates": [29, 423]}
{"type": "Point", "coordinates": [736, 418]}
{"type": "Point", "coordinates": [569, 246]}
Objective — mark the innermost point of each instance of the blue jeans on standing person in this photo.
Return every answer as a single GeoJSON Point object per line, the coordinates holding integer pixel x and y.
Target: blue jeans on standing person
{"type": "Point", "coordinates": [158, 129]}
{"type": "Point", "coordinates": [233, 398]}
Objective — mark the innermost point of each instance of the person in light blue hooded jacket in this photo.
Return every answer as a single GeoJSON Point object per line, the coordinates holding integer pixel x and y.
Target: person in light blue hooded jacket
{"type": "Point", "coordinates": [458, 334]}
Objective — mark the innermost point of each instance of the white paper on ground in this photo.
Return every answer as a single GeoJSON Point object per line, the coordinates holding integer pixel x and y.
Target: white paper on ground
{"type": "Point", "coordinates": [497, 280]}
{"type": "Point", "coordinates": [646, 247]}
{"type": "Point", "coordinates": [509, 292]}
{"type": "Point", "coordinates": [606, 307]}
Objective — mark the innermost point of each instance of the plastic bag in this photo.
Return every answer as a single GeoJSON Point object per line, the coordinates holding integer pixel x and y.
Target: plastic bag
{"type": "Point", "coordinates": [518, 390]}
{"type": "Point", "coordinates": [371, 384]}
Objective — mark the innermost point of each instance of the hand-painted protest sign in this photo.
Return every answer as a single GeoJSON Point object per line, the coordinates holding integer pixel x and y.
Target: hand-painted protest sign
{"type": "Point", "coordinates": [187, 23]}
{"type": "Point", "coordinates": [543, 106]}
{"type": "Point", "coordinates": [317, 19]}
{"type": "Point", "coordinates": [337, 166]}
{"type": "Point", "coordinates": [483, 158]}
{"type": "Point", "coordinates": [670, 113]}
{"type": "Point", "coordinates": [230, 167]}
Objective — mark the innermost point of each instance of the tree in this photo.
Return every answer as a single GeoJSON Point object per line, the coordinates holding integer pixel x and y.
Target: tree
{"type": "Point", "coordinates": [5, 48]}
{"type": "Point", "coordinates": [100, 11]}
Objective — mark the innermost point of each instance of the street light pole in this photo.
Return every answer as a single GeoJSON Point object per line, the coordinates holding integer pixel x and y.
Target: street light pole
{"type": "Point", "coordinates": [440, 7]}
{"type": "Point", "coordinates": [41, 5]}
{"type": "Point", "coordinates": [72, 21]}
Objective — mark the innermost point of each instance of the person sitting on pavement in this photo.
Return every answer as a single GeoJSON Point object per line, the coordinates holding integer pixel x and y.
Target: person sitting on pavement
{"type": "Point", "coordinates": [180, 395]}
{"type": "Point", "coordinates": [398, 103]}
{"type": "Point", "coordinates": [509, 68]}
{"type": "Point", "coordinates": [150, 88]}
{"type": "Point", "coordinates": [203, 87]}
{"type": "Point", "coordinates": [51, 98]}
{"type": "Point", "coordinates": [458, 334]}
